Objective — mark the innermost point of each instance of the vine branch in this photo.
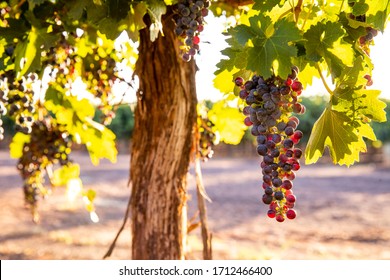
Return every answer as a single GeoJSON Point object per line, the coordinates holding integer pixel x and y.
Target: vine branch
{"type": "Point", "coordinates": [295, 10]}
{"type": "Point", "coordinates": [308, 14]}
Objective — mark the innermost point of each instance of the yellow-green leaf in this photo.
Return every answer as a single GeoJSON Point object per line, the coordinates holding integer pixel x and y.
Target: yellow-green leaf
{"type": "Point", "coordinates": [324, 41]}
{"type": "Point", "coordinates": [334, 131]}
{"type": "Point", "coordinates": [62, 175]}
{"type": "Point", "coordinates": [17, 144]}
{"type": "Point", "coordinates": [228, 121]}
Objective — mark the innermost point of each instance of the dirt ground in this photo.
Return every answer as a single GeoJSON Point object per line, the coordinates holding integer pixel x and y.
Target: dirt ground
{"type": "Point", "coordinates": [344, 213]}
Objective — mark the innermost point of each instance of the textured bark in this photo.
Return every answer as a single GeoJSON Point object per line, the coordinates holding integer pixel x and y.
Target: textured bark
{"type": "Point", "coordinates": [164, 118]}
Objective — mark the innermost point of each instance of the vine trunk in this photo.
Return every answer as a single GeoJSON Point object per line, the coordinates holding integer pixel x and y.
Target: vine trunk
{"type": "Point", "coordinates": [162, 141]}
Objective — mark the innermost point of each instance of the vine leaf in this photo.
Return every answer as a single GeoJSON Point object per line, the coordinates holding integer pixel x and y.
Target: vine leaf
{"type": "Point", "coordinates": [378, 12]}
{"type": "Point", "coordinates": [272, 47]}
{"type": "Point", "coordinates": [224, 81]}
{"type": "Point", "coordinates": [27, 53]}
{"type": "Point", "coordinates": [324, 41]}
{"type": "Point", "coordinates": [17, 144]}
{"type": "Point", "coordinates": [134, 21]}
{"type": "Point", "coordinates": [333, 130]}
{"type": "Point", "coordinates": [228, 121]}
{"type": "Point", "coordinates": [345, 122]}
{"type": "Point", "coordinates": [62, 175]}
{"type": "Point", "coordinates": [33, 3]}
{"type": "Point", "coordinates": [351, 97]}
{"type": "Point", "coordinates": [76, 115]}
{"type": "Point", "coordinates": [236, 52]}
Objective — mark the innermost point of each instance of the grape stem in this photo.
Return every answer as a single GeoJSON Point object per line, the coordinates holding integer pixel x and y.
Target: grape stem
{"type": "Point", "coordinates": [295, 10]}
{"type": "Point", "coordinates": [323, 79]}
{"type": "Point", "coordinates": [20, 4]}
{"type": "Point", "coordinates": [341, 6]}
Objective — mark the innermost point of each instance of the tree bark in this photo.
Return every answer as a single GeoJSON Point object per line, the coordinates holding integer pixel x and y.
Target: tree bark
{"type": "Point", "coordinates": [162, 140]}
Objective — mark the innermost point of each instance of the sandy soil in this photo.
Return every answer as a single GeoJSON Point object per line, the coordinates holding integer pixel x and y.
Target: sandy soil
{"type": "Point", "coordinates": [344, 213]}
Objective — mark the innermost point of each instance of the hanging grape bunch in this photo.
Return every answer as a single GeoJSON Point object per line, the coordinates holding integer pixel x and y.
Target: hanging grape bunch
{"type": "Point", "coordinates": [207, 138]}
{"type": "Point", "coordinates": [189, 19]}
{"type": "Point", "coordinates": [17, 98]}
{"type": "Point", "coordinates": [269, 107]}
{"type": "Point", "coordinates": [49, 145]}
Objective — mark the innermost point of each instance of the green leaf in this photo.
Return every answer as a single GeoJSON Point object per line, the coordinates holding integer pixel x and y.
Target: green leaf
{"type": "Point", "coordinates": [324, 41]}
{"type": "Point", "coordinates": [28, 57]}
{"type": "Point", "coordinates": [378, 13]}
{"type": "Point", "coordinates": [360, 8]}
{"type": "Point", "coordinates": [118, 9]}
{"type": "Point", "coordinates": [134, 21]}
{"type": "Point", "coordinates": [76, 8]}
{"type": "Point", "coordinates": [16, 29]}
{"type": "Point", "coordinates": [351, 97]}
{"type": "Point", "coordinates": [17, 144]}
{"type": "Point", "coordinates": [267, 5]}
{"type": "Point", "coordinates": [156, 9]}
{"type": "Point", "coordinates": [272, 49]}
{"type": "Point", "coordinates": [243, 33]}
{"type": "Point", "coordinates": [355, 29]}
{"type": "Point", "coordinates": [228, 121]}
{"type": "Point", "coordinates": [33, 3]}
{"type": "Point", "coordinates": [62, 175]}
{"type": "Point", "coordinates": [333, 130]}
{"type": "Point", "coordinates": [236, 53]}
{"type": "Point", "coordinates": [345, 122]}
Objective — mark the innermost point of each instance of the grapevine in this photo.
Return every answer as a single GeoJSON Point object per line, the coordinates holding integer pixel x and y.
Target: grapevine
{"type": "Point", "coordinates": [189, 19]}
{"type": "Point", "coordinates": [269, 107]}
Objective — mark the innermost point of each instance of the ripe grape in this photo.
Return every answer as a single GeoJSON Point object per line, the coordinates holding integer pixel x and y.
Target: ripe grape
{"type": "Point", "coordinates": [291, 214]}
{"type": "Point", "coordinates": [269, 107]}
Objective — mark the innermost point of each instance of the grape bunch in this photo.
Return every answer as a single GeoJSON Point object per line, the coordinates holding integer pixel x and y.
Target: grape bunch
{"type": "Point", "coordinates": [98, 71]}
{"type": "Point", "coordinates": [270, 104]}
{"type": "Point", "coordinates": [370, 32]}
{"type": "Point", "coordinates": [207, 138]}
{"type": "Point", "coordinates": [18, 97]}
{"type": "Point", "coordinates": [189, 19]}
{"type": "Point", "coordinates": [49, 144]}
{"type": "Point", "coordinates": [366, 39]}
{"type": "Point", "coordinates": [100, 75]}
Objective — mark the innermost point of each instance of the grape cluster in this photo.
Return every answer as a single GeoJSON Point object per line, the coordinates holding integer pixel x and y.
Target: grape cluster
{"type": "Point", "coordinates": [100, 75]}
{"type": "Point", "coordinates": [61, 60]}
{"type": "Point", "coordinates": [207, 138]}
{"type": "Point", "coordinates": [189, 19]}
{"type": "Point", "coordinates": [49, 145]}
{"type": "Point", "coordinates": [17, 98]}
{"type": "Point", "coordinates": [99, 72]}
{"type": "Point", "coordinates": [269, 107]}
{"type": "Point", "coordinates": [371, 33]}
